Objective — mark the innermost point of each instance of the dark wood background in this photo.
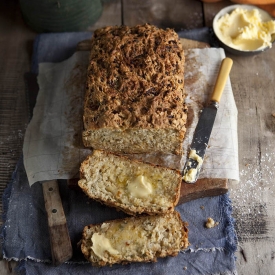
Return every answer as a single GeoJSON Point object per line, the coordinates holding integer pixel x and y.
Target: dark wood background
{"type": "Point", "coordinates": [252, 80]}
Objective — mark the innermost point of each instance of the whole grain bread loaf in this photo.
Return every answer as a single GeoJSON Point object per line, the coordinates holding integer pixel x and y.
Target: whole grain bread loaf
{"type": "Point", "coordinates": [134, 239]}
{"type": "Point", "coordinates": [134, 101]}
{"type": "Point", "coordinates": [132, 186]}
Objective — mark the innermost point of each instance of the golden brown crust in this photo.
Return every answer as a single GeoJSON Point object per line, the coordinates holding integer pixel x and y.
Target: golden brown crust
{"type": "Point", "coordinates": [101, 175]}
{"type": "Point", "coordinates": [135, 81]}
{"type": "Point", "coordinates": [173, 231]}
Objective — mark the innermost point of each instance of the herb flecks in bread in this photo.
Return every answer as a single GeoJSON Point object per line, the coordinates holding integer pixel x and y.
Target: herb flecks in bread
{"type": "Point", "coordinates": [132, 186]}
{"type": "Point", "coordinates": [135, 91]}
{"type": "Point", "coordinates": [141, 239]}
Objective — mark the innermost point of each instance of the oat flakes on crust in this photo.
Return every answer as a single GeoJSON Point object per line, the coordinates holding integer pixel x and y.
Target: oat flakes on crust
{"type": "Point", "coordinates": [135, 79]}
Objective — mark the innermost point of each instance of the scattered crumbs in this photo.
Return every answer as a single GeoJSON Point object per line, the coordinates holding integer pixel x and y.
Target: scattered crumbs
{"type": "Point", "coordinates": [202, 207]}
{"type": "Point", "coordinates": [185, 268]}
{"type": "Point", "coordinates": [211, 223]}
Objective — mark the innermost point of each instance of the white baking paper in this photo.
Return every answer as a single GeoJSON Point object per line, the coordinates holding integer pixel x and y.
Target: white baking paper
{"type": "Point", "coordinates": [53, 146]}
{"type": "Point", "coordinates": [221, 158]}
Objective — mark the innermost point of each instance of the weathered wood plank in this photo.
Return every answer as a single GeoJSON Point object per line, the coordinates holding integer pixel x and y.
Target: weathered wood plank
{"type": "Point", "coordinates": [201, 189]}
{"type": "Point", "coordinates": [211, 9]}
{"type": "Point", "coordinates": [177, 14]}
{"type": "Point", "coordinates": [252, 80]}
{"type": "Point", "coordinates": [260, 261]}
{"type": "Point", "coordinates": [111, 15]}
{"type": "Point", "coordinates": [253, 204]}
{"type": "Point", "coordinates": [15, 56]}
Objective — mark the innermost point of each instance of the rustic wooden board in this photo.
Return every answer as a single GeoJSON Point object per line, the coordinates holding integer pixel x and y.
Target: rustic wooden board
{"type": "Point", "coordinates": [203, 187]}
{"type": "Point", "coordinates": [85, 45]}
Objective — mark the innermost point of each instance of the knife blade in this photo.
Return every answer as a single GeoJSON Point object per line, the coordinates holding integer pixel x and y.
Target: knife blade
{"type": "Point", "coordinates": [205, 125]}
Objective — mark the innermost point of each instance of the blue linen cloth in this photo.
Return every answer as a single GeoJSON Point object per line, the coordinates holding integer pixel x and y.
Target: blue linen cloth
{"type": "Point", "coordinates": [25, 231]}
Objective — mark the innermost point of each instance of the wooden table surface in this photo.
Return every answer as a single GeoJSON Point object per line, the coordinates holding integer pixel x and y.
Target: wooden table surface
{"type": "Point", "coordinates": [252, 80]}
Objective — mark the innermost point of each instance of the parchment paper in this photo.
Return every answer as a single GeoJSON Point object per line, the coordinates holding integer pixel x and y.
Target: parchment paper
{"type": "Point", "coordinates": [53, 147]}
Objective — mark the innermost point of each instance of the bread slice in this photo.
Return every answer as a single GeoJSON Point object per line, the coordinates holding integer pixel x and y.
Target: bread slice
{"type": "Point", "coordinates": [134, 101]}
{"type": "Point", "coordinates": [129, 185]}
{"type": "Point", "coordinates": [134, 239]}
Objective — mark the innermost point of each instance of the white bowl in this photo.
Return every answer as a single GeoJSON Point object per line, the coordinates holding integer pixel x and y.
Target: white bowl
{"type": "Point", "coordinates": [265, 17]}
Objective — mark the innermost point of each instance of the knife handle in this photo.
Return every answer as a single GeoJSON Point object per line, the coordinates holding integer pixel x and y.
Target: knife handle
{"type": "Point", "coordinates": [61, 246]}
{"type": "Point", "coordinates": [223, 74]}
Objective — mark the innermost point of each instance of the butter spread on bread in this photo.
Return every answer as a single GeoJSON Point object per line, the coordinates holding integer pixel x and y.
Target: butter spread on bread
{"type": "Point", "coordinates": [134, 239]}
{"type": "Point", "coordinates": [129, 185]}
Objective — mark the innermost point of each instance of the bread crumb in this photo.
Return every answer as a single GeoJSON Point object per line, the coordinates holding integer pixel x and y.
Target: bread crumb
{"type": "Point", "coordinates": [211, 223]}
{"type": "Point", "coordinates": [185, 268]}
{"type": "Point", "coordinates": [202, 207]}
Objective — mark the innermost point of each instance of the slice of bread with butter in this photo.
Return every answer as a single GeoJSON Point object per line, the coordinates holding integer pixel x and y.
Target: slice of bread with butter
{"type": "Point", "coordinates": [134, 239]}
{"type": "Point", "coordinates": [132, 186]}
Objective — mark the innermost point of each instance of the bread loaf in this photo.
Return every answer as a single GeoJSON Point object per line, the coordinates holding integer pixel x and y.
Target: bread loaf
{"type": "Point", "coordinates": [134, 239]}
{"type": "Point", "coordinates": [129, 185]}
{"type": "Point", "coordinates": [134, 101]}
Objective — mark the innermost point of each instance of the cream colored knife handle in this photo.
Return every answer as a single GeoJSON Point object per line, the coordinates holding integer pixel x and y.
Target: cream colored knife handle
{"type": "Point", "coordinates": [225, 69]}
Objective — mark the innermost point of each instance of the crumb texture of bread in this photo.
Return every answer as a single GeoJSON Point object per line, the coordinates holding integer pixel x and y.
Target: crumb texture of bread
{"type": "Point", "coordinates": [132, 186]}
{"type": "Point", "coordinates": [141, 239]}
{"type": "Point", "coordinates": [135, 88]}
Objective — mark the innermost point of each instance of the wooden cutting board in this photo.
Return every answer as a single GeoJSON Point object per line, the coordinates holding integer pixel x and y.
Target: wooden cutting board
{"type": "Point", "coordinates": [203, 187]}
{"type": "Point", "coordinates": [59, 236]}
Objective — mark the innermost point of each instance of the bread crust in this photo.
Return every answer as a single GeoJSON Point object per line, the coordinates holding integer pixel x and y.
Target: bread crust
{"type": "Point", "coordinates": [135, 82]}
{"type": "Point", "coordinates": [171, 224]}
{"type": "Point", "coordinates": [105, 176]}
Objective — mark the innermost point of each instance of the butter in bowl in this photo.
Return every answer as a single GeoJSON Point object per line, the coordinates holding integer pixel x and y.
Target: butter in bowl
{"type": "Point", "coordinates": [244, 29]}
